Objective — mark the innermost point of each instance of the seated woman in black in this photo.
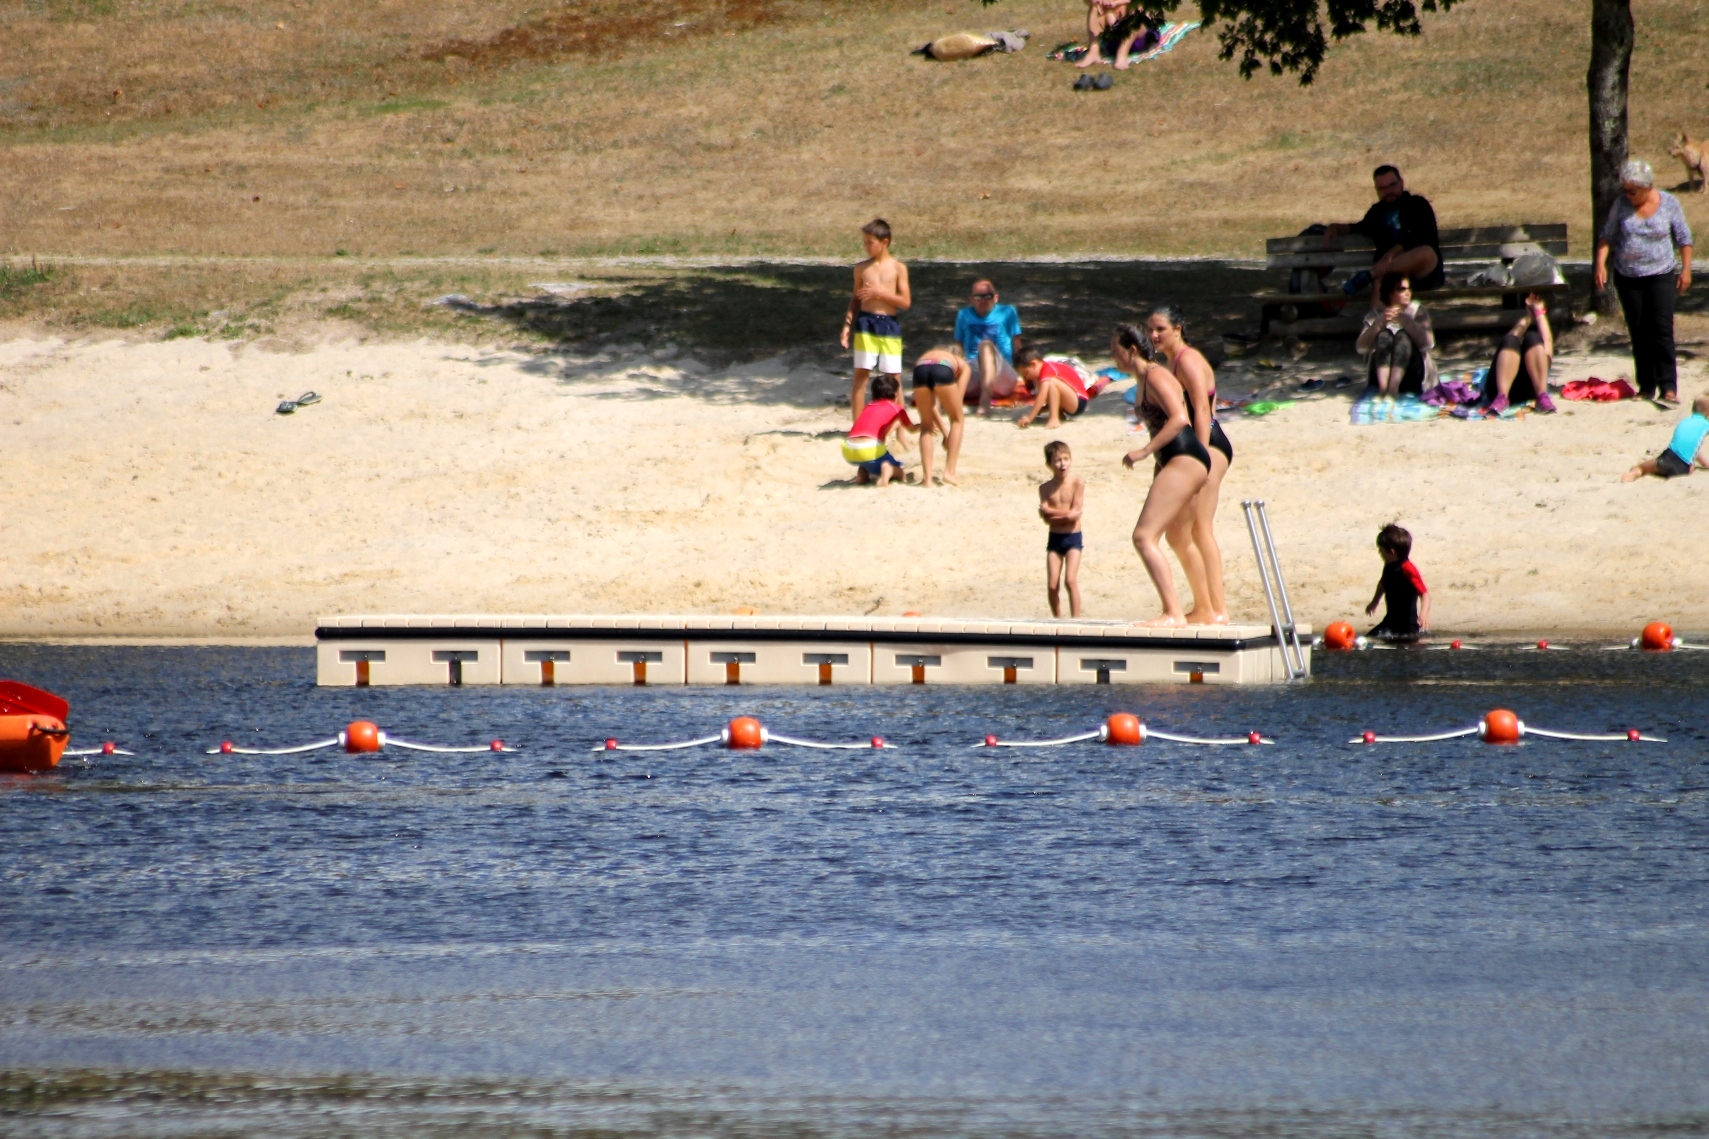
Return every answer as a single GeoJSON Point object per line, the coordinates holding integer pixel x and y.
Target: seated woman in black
{"type": "Point", "coordinates": [1520, 370]}
{"type": "Point", "coordinates": [1398, 336]}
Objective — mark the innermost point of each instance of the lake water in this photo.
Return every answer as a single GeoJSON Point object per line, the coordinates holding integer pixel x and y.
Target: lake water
{"type": "Point", "coordinates": [1311, 939]}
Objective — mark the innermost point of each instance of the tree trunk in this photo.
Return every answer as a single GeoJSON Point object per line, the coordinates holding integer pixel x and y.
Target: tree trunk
{"type": "Point", "coordinates": [1610, 67]}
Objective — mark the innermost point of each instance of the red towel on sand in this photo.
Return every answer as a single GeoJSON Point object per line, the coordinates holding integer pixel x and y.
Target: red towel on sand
{"type": "Point", "coordinates": [1598, 391]}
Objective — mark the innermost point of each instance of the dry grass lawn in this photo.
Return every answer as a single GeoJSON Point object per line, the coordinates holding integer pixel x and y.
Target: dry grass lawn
{"type": "Point", "coordinates": [298, 128]}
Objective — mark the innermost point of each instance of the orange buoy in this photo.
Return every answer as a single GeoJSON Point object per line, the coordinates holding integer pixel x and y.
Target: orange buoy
{"type": "Point", "coordinates": [363, 736]}
{"type": "Point", "coordinates": [990, 741]}
{"type": "Point", "coordinates": [1339, 635]}
{"type": "Point", "coordinates": [745, 733]}
{"type": "Point", "coordinates": [1454, 644]}
{"type": "Point", "coordinates": [878, 741]}
{"type": "Point", "coordinates": [1657, 637]}
{"type": "Point", "coordinates": [1500, 727]}
{"type": "Point", "coordinates": [1124, 730]}
{"type": "Point", "coordinates": [31, 742]}
{"type": "Point", "coordinates": [1369, 737]}
{"type": "Point", "coordinates": [1543, 646]}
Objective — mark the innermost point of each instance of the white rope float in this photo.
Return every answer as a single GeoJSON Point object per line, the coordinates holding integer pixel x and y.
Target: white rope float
{"type": "Point", "coordinates": [361, 737]}
{"type": "Point", "coordinates": [745, 733]}
{"type": "Point", "coordinates": [1124, 729]}
{"type": "Point", "coordinates": [107, 748]}
{"type": "Point", "coordinates": [1504, 727]}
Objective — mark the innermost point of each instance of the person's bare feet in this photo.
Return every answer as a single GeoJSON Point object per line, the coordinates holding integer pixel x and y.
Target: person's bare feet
{"type": "Point", "coordinates": [1633, 475]}
{"type": "Point", "coordinates": [1090, 59]}
{"type": "Point", "coordinates": [950, 480]}
{"type": "Point", "coordinates": [1052, 424]}
{"type": "Point", "coordinates": [1163, 622]}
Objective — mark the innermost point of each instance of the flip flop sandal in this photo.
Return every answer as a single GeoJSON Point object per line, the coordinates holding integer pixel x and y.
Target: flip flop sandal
{"type": "Point", "coordinates": [308, 398]}
{"type": "Point", "coordinates": [1084, 83]}
{"type": "Point", "coordinates": [1312, 385]}
{"type": "Point", "coordinates": [1103, 82]}
{"type": "Point", "coordinates": [286, 407]}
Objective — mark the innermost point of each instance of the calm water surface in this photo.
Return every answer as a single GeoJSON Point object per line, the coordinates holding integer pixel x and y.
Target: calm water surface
{"type": "Point", "coordinates": [1309, 939]}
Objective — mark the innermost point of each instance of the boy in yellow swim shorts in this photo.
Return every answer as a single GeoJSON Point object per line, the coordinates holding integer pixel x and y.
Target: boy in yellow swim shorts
{"type": "Point", "coordinates": [881, 293]}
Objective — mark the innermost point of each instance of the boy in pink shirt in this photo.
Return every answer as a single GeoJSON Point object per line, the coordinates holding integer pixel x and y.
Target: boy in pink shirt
{"type": "Point", "coordinates": [866, 443]}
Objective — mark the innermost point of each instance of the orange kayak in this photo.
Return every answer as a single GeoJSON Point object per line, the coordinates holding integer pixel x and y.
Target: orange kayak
{"type": "Point", "coordinates": [32, 727]}
{"type": "Point", "coordinates": [31, 742]}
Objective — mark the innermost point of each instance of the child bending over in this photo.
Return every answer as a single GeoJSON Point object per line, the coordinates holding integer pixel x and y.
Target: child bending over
{"type": "Point", "coordinates": [866, 444]}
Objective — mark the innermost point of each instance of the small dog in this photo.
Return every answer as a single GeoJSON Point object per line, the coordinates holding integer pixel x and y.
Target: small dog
{"type": "Point", "coordinates": [1696, 167]}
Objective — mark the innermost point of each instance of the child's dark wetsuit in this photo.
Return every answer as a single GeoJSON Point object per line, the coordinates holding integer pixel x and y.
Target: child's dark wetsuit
{"type": "Point", "coordinates": [1402, 587]}
{"type": "Point", "coordinates": [1184, 443]}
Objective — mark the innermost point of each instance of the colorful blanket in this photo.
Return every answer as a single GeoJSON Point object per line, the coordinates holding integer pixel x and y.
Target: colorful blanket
{"type": "Point", "coordinates": [1167, 37]}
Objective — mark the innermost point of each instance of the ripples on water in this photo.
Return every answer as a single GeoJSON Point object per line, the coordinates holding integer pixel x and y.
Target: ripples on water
{"type": "Point", "coordinates": [1309, 939]}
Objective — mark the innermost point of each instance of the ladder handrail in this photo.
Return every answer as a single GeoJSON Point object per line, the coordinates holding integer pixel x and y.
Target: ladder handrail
{"type": "Point", "coordinates": [1281, 620]}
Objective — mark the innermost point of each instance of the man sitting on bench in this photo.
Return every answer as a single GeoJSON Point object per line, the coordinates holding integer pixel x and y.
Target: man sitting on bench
{"type": "Point", "coordinates": [1403, 228]}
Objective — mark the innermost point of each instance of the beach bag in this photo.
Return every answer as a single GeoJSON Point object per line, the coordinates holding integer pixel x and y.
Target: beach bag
{"type": "Point", "coordinates": [1532, 269]}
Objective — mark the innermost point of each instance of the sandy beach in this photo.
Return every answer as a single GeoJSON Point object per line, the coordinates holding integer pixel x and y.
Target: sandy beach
{"type": "Point", "coordinates": [153, 492]}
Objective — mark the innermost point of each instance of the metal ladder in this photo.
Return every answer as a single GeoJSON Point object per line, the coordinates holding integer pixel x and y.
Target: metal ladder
{"type": "Point", "coordinates": [1282, 621]}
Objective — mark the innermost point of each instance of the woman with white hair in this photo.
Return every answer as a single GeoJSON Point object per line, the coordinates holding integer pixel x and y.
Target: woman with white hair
{"type": "Point", "coordinates": [1644, 227]}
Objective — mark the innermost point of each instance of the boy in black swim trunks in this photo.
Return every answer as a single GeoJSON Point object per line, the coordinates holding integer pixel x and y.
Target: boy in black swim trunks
{"type": "Point", "coordinates": [1061, 499]}
{"type": "Point", "coordinates": [1402, 587]}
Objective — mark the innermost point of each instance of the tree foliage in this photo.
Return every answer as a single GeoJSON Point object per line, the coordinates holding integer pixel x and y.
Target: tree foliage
{"type": "Point", "coordinates": [1294, 35]}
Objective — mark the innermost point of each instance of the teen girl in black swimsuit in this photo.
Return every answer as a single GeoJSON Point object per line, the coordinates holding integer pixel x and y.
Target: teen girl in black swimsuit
{"type": "Point", "coordinates": [1193, 535]}
{"type": "Point", "coordinates": [1182, 466]}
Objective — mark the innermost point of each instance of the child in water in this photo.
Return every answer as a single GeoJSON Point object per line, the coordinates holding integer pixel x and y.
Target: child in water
{"type": "Point", "coordinates": [865, 446]}
{"type": "Point", "coordinates": [1061, 500]}
{"type": "Point", "coordinates": [1684, 450]}
{"type": "Point", "coordinates": [1401, 587]}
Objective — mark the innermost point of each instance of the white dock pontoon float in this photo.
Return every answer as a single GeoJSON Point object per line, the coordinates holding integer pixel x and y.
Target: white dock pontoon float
{"type": "Point", "coordinates": [536, 650]}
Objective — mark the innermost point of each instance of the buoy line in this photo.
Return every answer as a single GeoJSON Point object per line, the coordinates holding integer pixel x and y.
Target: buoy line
{"type": "Point", "coordinates": [745, 733]}
{"type": "Point", "coordinates": [1501, 726]}
{"type": "Point", "coordinates": [361, 737]}
{"type": "Point", "coordinates": [1123, 729]}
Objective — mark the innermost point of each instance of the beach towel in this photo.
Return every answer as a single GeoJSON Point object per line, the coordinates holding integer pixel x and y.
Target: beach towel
{"type": "Point", "coordinates": [1406, 409]}
{"type": "Point", "coordinates": [1598, 391]}
{"type": "Point", "coordinates": [1167, 37]}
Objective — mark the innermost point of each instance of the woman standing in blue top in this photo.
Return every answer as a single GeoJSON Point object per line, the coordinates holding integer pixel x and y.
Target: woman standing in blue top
{"type": "Point", "coordinates": [986, 331]}
{"type": "Point", "coordinates": [1643, 229]}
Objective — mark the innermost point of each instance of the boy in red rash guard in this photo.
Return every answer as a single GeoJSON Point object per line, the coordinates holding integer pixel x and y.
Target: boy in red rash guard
{"type": "Point", "coordinates": [1059, 387]}
{"type": "Point", "coordinates": [1401, 587]}
{"type": "Point", "coordinates": [865, 446]}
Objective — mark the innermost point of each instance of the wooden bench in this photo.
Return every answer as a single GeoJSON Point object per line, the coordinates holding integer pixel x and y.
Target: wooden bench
{"type": "Point", "coordinates": [1490, 247]}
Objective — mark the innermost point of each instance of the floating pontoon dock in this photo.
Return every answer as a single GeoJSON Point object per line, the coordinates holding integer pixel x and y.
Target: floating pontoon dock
{"type": "Point", "coordinates": [543, 650]}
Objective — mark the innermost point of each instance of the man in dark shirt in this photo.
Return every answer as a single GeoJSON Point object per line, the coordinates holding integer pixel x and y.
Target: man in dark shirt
{"type": "Point", "coordinates": [1403, 228]}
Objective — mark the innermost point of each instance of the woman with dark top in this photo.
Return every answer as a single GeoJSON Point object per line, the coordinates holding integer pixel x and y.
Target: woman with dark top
{"type": "Point", "coordinates": [1193, 534]}
{"type": "Point", "coordinates": [1182, 466]}
{"type": "Point", "coordinates": [1398, 337]}
{"type": "Point", "coordinates": [1520, 370]}
{"type": "Point", "coordinates": [1644, 228]}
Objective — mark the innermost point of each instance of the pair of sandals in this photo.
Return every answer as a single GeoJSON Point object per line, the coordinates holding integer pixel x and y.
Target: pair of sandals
{"type": "Point", "coordinates": [1103, 81]}
{"type": "Point", "coordinates": [288, 406]}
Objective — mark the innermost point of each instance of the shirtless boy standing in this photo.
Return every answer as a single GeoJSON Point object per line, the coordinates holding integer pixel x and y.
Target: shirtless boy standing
{"type": "Point", "coordinates": [880, 293]}
{"type": "Point", "coordinates": [1061, 500]}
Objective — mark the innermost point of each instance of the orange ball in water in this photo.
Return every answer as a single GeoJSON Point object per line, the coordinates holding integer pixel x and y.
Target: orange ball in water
{"type": "Point", "coordinates": [361, 736]}
{"type": "Point", "coordinates": [744, 732]}
{"type": "Point", "coordinates": [1339, 635]}
{"type": "Point", "coordinates": [1124, 730]}
{"type": "Point", "coordinates": [1499, 727]}
{"type": "Point", "coordinates": [1657, 637]}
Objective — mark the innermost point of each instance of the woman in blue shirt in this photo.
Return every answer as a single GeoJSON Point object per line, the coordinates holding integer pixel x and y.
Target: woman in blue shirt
{"type": "Point", "coordinates": [1643, 229]}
